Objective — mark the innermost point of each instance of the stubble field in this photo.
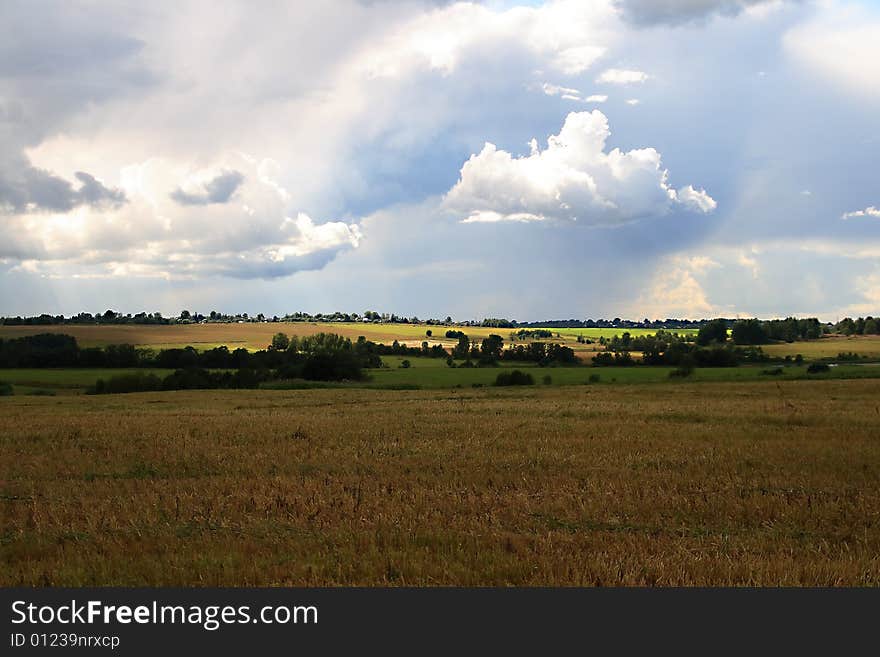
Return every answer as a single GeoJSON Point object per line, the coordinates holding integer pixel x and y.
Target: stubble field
{"type": "Point", "coordinates": [774, 483]}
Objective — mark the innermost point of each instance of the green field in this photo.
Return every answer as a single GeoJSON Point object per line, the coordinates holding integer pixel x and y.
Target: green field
{"type": "Point", "coordinates": [436, 375]}
{"type": "Point", "coordinates": [64, 380]}
{"type": "Point", "coordinates": [433, 373]}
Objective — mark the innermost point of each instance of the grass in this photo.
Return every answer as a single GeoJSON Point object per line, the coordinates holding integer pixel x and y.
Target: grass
{"type": "Point", "coordinates": [758, 483]}
{"type": "Point", "coordinates": [433, 373]}
{"type": "Point", "coordinates": [65, 379]}
{"type": "Point", "coordinates": [828, 347]}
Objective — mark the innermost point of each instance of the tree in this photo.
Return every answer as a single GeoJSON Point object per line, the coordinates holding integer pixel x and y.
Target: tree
{"type": "Point", "coordinates": [463, 348]}
{"type": "Point", "coordinates": [490, 349]}
{"type": "Point", "coordinates": [748, 331]}
{"type": "Point", "coordinates": [713, 331]}
{"type": "Point", "coordinates": [429, 333]}
{"type": "Point", "coordinates": [280, 342]}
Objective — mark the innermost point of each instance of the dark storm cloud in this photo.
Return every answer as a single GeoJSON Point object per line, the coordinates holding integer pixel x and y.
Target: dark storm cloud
{"type": "Point", "coordinates": [677, 12]}
{"type": "Point", "coordinates": [217, 190]}
{"type": "Point", "coordinates": [30, 189]}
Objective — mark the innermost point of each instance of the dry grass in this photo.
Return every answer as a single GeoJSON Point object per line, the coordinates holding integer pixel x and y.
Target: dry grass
{"type": "Point", "coordinates": [773, 483]}
{"type": "Point", "coordinates": [258, 336]}
{"type": "Point", "coordinates": [248, 335]}
{"type": "Point", "coordinates": [829, 347]}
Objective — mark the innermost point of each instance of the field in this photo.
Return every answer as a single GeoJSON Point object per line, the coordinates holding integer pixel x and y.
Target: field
{"type": "Point", "coordinates": [774, 482]}
{"type": "Point", "coordinates": [829, 347]}
{"type": "Point", "coordinates": [259, 335]}
{"type": "Point", "coordinates": [432, 373]}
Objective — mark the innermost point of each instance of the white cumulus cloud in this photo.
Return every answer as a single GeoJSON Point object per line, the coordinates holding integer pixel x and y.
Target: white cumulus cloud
{"type": "Point", "coordinates": [229, 219]}
{"type": "Point", "coordinates": [573, 179]}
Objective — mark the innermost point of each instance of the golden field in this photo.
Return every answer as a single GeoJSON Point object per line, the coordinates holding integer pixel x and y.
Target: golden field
{"type": "Point", "coordinates": [254, 335]}
{"type": "Point", "coordinates": [770, 483]}
{"type": "Point", "coordinates": [257, 335]}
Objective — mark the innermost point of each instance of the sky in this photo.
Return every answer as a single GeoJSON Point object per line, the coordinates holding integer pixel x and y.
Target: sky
{"type": "Point", "coordinates": [528, 160]}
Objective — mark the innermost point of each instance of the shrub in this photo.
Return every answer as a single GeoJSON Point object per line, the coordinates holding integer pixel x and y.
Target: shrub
{"type": "Point", "coordinates": [681, 372]}
{"type": "Point", "coordinates": [138, 382]}
{"type": "Point", "coordinates": [514, 378]}
{"type": "Point", "coordinates": [817, 368]}
{"type": "Point", "coordinates": [773, 371]}
{"type": "Point", "coordinates": [405, 364]}
{"type": "Point", "coordinates": [5, 389]}
{"type": "Point", "coordinates": [547, 380]}
{"type": "Point", "coordinates": [595, 378]}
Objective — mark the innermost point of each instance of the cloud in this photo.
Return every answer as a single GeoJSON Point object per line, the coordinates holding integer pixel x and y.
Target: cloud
{"type": "Point", "coordinates": [843, 48]}
{"type": "Point", "coordinates": [696, 199]}
{"type": "Point", "coordinates": [568, 93]}
{"type": "Point", "coordinates": [28, 189]}
{"type": "Point", "coordinates": [93, 192]}
{"type": "Point", "coordinates": [573, 179]}
{"type": "Point", "coordinates": [248, 234]}
{"type": "Point", "coordinates": [570, 35]}
{"type": "Point", "coordinates": [675, 291]}
{"type": "Point", "coordinates": [869, 211]}
{"type": "Point", "coordinates": [218, 189]}
{"type": "Point", "coordinates": [556, 90]}
{"type": "Point", "coordinates": [373, 108]}
{"type": "Point", "coordinates": [676, 12]}
{"type": "Point", "coordinates": [621, 76]}
{"type": "Point", "coordinates": [572, 61]}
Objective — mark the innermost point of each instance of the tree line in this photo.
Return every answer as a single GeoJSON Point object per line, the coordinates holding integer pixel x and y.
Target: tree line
{"type": "Point", "coordinates": [322, 356]}
{"type": "Point", "coordinates": [860, 326]}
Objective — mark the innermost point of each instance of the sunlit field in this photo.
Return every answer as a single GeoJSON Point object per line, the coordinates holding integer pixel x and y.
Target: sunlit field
{"type": "Point", "coordinates": [828, 347]}
{"type": "Point", "coordinates": [252, 335]}
{"type": "Point", "coordinates": [774, 483]}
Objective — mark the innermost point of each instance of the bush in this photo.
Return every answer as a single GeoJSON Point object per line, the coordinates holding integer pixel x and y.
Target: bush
{"type": "Point", "coordinates": [405, 364]}
{"type": "Point", "coordinates": [681, 372]}
{"type": "Point", "coordinates": [5, 389]}
{"type": "Point", "coordinates": [138, 382]}
{"type": "Point", "coordinates": [514, 378]}
{"type": "Point", "coordinates": [773, 371]}
{"type": "Point", "coordinates": [594, 378]}
{"type": "Point", "coordinates": [547, 380]}
{"type": "Point", "coordinates": [608, 358]}
{"type": "Point", "coordinates": [817, 368]}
